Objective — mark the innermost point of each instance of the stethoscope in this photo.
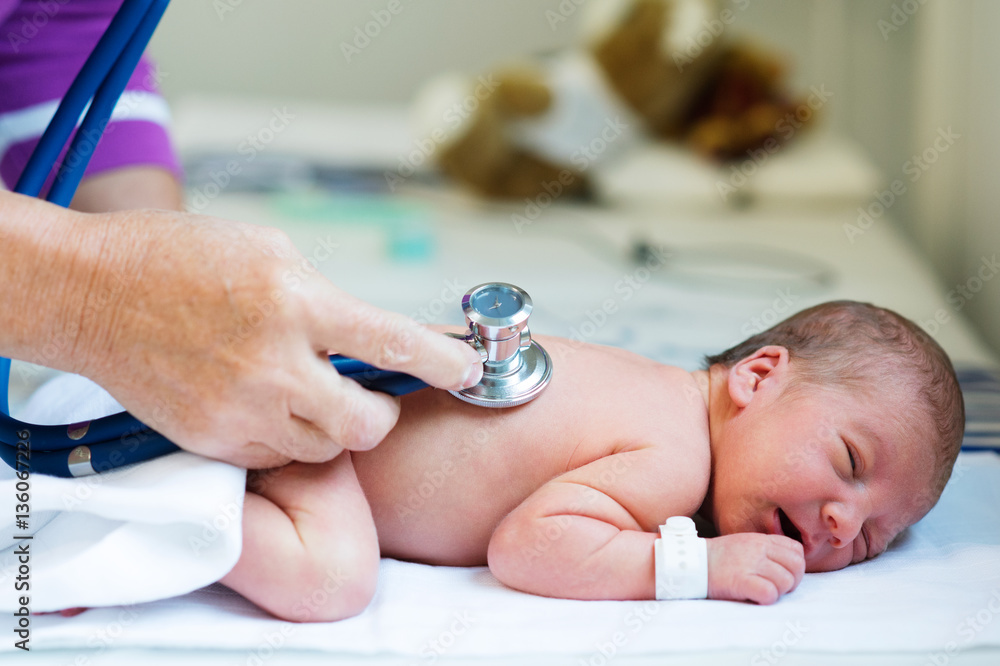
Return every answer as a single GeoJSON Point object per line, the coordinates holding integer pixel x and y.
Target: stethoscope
{"type": "Point", "coordinates": [515, 368]}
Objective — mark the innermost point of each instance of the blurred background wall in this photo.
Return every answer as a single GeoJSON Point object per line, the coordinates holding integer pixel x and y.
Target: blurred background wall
{"type": "Point", "coordinates": [902, 72]}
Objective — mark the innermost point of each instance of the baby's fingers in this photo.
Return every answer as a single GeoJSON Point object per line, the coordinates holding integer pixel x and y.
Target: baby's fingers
{"type": "Point", "coordinates": [768, 584]}
{"type": "Point", "coordinates": [791, 560]}
{"type": "Point", "coordinates": [788, 543]}
{"type": "Point", "coordinates": [759, 589]}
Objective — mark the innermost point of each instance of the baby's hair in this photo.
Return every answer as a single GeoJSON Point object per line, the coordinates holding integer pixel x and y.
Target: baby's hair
{"type": "Point", "coordinates": [855, 345]}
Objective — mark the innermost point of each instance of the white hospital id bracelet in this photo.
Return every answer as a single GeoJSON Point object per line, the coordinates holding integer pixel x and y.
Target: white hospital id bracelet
{"type": "Point", "coordinates": [681, 560]}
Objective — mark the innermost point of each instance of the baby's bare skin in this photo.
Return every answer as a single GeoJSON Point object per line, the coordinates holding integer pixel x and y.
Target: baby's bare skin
{"type": "Point", "coordinates": [563, 496]}
{"type": "Point", "coordinates": [439, 485]}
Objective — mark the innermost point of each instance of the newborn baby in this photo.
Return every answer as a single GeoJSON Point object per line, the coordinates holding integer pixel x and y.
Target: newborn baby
{"type": "Point", "coordinates": [809, 446]}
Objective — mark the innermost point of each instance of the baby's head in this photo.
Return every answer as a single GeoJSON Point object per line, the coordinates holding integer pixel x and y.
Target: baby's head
{"type": "Point", "coordinates": [838, 427]}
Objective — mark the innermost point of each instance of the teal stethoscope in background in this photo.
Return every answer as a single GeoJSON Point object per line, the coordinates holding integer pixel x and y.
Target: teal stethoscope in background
{"type": "Point", "coordinates": [516, 369]}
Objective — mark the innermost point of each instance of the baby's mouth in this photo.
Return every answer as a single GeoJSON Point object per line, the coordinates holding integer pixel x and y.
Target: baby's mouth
{"type": "Point", "coordinates": [788, 527]}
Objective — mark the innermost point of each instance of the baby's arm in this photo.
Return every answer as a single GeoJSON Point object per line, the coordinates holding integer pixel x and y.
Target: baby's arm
{"type": "Point", "coordinates": [589, 533]}
{"type": "Point", "coordinates": [310, 551]}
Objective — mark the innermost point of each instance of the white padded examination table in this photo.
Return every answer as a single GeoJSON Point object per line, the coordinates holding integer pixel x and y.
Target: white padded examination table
{"type": "Point", "coordinates": [600, 275]}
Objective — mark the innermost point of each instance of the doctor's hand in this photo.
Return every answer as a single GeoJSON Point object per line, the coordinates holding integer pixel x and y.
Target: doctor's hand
{"type": "Point", "coordinates": [216, 334]}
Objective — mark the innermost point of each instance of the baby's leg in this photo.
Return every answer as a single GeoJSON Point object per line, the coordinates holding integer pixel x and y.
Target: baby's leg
{"type": "Point", "coordinates": [310, 551]}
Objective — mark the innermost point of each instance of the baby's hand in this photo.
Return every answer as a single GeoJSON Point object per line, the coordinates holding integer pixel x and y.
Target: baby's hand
{"type": "Point", "coordinates": [754, 567]}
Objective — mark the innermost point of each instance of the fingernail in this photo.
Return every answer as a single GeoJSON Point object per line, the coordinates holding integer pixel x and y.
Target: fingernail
{"type": "Point", "coordinates": [473, 375]}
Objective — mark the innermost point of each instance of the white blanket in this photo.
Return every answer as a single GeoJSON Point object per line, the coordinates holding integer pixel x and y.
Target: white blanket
{"type": "Point", "coordinates": [936, 591]}
{"type": "Point", "coordinates": [139, 533]}
{"type": "Point", "coordinates": [164, 529]}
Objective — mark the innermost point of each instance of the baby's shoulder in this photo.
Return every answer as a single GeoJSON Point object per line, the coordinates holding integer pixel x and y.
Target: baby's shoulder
{"type": "Point", "coordinates": [673, 398]}
{"type": "Point", "coordinates": [662, 446]}
{"type": "Point", "coordinates": [624, 401]}
{"type": "Point", "coordinates": [675, 430]}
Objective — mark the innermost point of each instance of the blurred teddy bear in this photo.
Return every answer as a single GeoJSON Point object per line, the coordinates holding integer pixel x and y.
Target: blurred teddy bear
{"type": "Point", "coordinates": [645, 68]}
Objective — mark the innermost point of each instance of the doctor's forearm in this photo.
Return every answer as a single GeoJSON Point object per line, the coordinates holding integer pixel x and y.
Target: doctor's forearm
{"type": "Point", "coordinates": [48, 270]}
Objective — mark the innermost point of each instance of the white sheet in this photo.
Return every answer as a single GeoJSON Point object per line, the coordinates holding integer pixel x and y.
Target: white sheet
{"type": "Point", "coordinates": [164, 529]}
{"type": "Point", "coordinates": [936, 590]}
{"type": "Point", "coordinates": [135, 534]}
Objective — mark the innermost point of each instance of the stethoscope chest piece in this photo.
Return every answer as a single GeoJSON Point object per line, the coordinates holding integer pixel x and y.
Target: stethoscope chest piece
{"type": "Point", "coordinates": [515, 368]}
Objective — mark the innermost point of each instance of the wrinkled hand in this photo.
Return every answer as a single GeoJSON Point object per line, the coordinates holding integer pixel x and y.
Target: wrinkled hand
{"type": "Point", "coordinates": [216, 334]}
{"type": "Point", "coordinates": [754, 567]}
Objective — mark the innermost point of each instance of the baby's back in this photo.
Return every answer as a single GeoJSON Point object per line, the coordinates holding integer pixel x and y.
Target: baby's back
{"type": "Point", "coordinates": [443, 479]}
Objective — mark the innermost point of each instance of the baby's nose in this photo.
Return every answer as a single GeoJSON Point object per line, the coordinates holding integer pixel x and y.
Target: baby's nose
{"type": "Point", "coordinates": [843, 523]}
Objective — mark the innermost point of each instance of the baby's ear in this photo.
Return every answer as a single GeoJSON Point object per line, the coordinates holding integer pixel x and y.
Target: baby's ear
{"type": "Point", "coordinates": [764, 371]}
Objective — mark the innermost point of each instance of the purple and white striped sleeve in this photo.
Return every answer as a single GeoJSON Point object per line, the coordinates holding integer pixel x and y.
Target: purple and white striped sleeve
{"type": "Point", "coordinates": [43, 44]}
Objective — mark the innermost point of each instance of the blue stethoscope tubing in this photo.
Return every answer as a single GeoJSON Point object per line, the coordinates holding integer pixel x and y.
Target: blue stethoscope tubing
{"type": "Point", "coordinates": [100, 83]}
{"type": "Point", "coordinates": [119, 439]}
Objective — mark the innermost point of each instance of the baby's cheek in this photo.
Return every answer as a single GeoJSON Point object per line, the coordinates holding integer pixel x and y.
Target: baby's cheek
{"type": "Point", "coordinates": [832, 561]}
